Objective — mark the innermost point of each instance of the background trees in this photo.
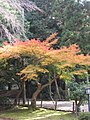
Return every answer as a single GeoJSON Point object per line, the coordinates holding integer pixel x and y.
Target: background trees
{"type": "Point", "coordinates": [70, 18]}
{"type": "Point", "coordinates": [12, 18]}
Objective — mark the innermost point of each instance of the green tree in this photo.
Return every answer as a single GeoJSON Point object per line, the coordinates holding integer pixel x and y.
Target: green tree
{"type": "Point", "coordinates": [74, 19]}
{"type": "Point", "coordinates": [70, 18]}
{"type": "Point", "coordinates": [42, 25]}
{"type": "Point", "coordinates": [77, 93]}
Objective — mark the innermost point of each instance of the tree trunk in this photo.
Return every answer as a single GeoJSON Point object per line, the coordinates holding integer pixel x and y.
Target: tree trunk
{"type": "Point", "coordinates": [34, 96]}
{"type": "Point", "coordinates": [24, 92]}
{"type": "Point", "coordinates": [33, 103]}
{"type": "Point", "coordinates": [66, 91]}
{"type": "Point", "coordinates": [77, 108]}
{"type": "Point", "coordinates": [78, 105]}
{"type": "Point", "coordinates": [39, 89]}
{"type": "Point", "coordinates": [18, 95]}
{"type": "Point", "coordinates": [9, 86]}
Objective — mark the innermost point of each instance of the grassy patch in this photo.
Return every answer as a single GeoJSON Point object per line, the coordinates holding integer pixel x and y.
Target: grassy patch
{"type": "Point", "coordinates": [23, 113]}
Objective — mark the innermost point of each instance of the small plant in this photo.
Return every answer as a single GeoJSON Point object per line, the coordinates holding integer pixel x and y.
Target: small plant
{"type": "Point", "coordinates": [77, 93]}
{"type": "Point", "coordinates": [5, 103]}
{"type": "Point", "coordinates": [84, 116]}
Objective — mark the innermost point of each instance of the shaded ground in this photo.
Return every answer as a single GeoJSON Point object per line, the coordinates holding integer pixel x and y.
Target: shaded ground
{"type": "Point", "coordinates": [41, 114]}
{"type": "Point", "coordinates": [6, 119]}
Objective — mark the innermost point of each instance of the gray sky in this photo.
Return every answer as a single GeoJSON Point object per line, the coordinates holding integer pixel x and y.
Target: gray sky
{"type": "Point", "coordinates": [83, 0]}
{"type": "Point", "coordinates": [87, 0]}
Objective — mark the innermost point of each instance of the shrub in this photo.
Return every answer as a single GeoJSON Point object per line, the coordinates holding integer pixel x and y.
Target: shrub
{"type": "Point", "coordinates": [5, 103]}
{"type": "Point", "coordinates": [84, 116]}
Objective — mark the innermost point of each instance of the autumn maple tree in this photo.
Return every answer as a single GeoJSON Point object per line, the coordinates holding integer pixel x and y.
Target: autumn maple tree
{"type": "Point", "coordinates": [40, 57]}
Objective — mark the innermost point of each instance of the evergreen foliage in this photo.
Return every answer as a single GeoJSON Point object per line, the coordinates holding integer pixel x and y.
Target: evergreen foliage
{"type": "Point", "coordinates": [70, 18]}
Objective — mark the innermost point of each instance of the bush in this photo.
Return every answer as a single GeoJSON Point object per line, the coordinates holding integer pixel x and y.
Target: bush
{"type": "Point", "coordinates": [84, 116]}
{"type": "Point", "coordinates": [5, 103]}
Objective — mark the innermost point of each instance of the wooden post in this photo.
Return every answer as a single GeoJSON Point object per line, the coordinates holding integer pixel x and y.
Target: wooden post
{"type": "Point", "coordinates": [56, 104]}
{"type": "Point", "coordinates": [73, 107]}
{"type": "Point", "coordinates": [24, 92]}
{"type": "Point", "coordinates": [41, 99]}
{"type": "Point", "coordinates": [41, 103]}
{"type": "Point", "coordinates": [18, 101]}
{"type": "Point", "coordinates": [28, 101]}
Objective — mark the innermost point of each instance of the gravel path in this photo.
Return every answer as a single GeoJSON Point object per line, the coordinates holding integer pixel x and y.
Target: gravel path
{"type": "Point", "coordinates": [61, 105]}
